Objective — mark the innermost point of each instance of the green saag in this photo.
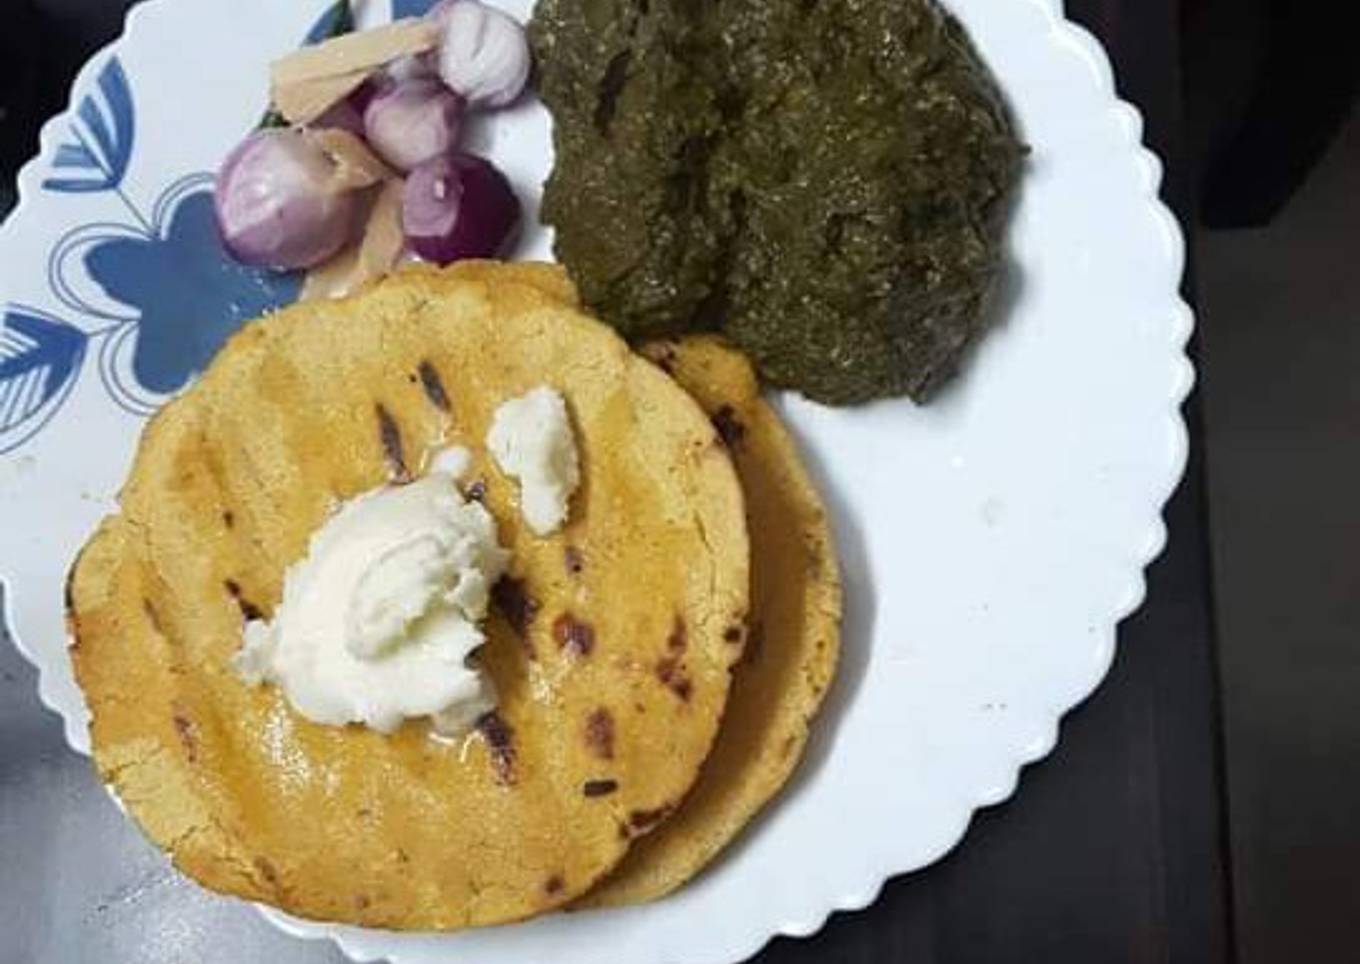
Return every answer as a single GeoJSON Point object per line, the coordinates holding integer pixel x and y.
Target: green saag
{"type": "Point", "coordinates": [823, 181]}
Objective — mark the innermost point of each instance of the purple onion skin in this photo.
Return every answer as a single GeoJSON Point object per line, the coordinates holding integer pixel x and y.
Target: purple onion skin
{"type": "Point", "coordinates": [342, 117]}
{"type": "Point", "coordinates": [413, 121]}
{"type": "Point", "coordinates": [484, 55]}
{"type": "Point", "coordinates": [348, 114]}
{"type": "Point", "coordinates": [274, 206]}
{"type": "Point", "coordinates": [363, 95]}
{"type": "Point", "coordinates": [459, 206]}
{"type": "Point", "coordinates": [413, 67]}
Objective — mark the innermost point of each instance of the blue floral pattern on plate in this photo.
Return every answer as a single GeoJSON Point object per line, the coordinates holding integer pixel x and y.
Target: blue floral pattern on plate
{"type": "Point", "coordinates": [39, 358]}
{"type": "Point", "coordinates": [171, 294]}
{"type": "Point", "coordinates": [188, 295]}
{"type": "Point", "coordinates": [152, 297]}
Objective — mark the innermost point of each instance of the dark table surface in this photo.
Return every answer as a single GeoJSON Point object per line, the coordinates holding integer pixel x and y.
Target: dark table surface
{"type": "Point", "coordinates": [1112, 850]}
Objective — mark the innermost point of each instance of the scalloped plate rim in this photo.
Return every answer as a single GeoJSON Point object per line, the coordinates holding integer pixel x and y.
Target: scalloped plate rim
{"type": "Point", "coordinates": [862, 893]}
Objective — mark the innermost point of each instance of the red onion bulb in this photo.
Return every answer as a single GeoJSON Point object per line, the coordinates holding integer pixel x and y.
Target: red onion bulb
{"type": "Point", "coordinates": [458, 206]}
{"type": "Point", "coordinates": [276, 206]}
{"type": "Point", "coordinates": [411, 122]}
{"type": "Point", "coordinates": [413, 67]}
{"type": "Point", "coordinates": [484, 55]}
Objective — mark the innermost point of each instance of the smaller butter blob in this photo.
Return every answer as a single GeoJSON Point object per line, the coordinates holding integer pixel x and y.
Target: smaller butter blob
{"type": "Point", "coordinates": [378, 621]}
{"type": "Point", "coordinates": [532, 440]}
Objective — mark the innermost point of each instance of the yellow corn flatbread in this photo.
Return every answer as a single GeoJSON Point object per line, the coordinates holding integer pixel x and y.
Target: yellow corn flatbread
{"type": "Point", "coordinates": [593, 743]}
{"type": "Point", "coordinates": [795, 630]}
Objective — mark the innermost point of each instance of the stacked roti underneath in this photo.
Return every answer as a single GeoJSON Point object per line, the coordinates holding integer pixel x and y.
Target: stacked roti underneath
{"type": "Point", "coordinates": [657, 660]}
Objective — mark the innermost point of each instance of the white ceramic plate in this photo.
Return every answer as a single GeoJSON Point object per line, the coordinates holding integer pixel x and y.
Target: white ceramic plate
{"type": "Point", "coordinates": [991, 541]}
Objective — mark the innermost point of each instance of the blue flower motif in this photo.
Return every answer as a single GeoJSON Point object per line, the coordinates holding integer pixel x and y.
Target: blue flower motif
{"type": "Point", "coordinates": [190, 294]}
{"type": "Point", "coordinates": [100, 148]}
{"type": "Point", "coordinates": [171, 294]}
{"type": "Point", "coordinates": [39, 358]}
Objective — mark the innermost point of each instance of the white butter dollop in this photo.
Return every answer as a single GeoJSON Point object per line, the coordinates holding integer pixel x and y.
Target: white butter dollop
{"type": "Point", "coordinates": [377, 622]}
{"type": "Point", "coordinates": [532, 440]}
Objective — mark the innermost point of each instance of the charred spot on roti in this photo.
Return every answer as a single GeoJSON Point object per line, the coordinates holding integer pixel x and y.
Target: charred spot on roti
{"type": "Point", "coordinates": [670, 669]}
{"type": "Point", "coordinates": [573, 635]}
{"type": "Point", "coordinates": [249, 611]}
{"type": "Point", "coordinates": [268, 871]}
{"type": "Point", "coordinates": [641, 821]}
{"type": "Point", "coordinates": [500, 743]}
{"type": "Point", "coordinates": [184, 729]}
{"type": "Point", "coordinates": [152, 616]}
{"type": "Point", "coordinates": [672, 675]}
{"type": "Point", "coordinates": [434, 386]}
{"type": "Point", "coordinates": [517, 606]}
{"type": "Point", "coordinates": [679, 637]}
{"type": "Point", "coordinates": [599, 788]}
{"type": "Point", "coordinates": [600, 733]}
{"type": "Point", "coordinates": [389, 435]}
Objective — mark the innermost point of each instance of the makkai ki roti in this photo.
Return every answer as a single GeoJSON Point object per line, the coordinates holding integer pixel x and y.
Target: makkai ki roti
{"type": "Point", "coordinates": [794, 640]}
{"type": "Point", "coordinates": [591, 747]}
{"type": "Point", "coordinates": [794, 644]}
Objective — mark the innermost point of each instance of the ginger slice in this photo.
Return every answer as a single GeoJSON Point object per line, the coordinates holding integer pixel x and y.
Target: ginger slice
{"type": "Point", "coordinates": [307, 82]}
